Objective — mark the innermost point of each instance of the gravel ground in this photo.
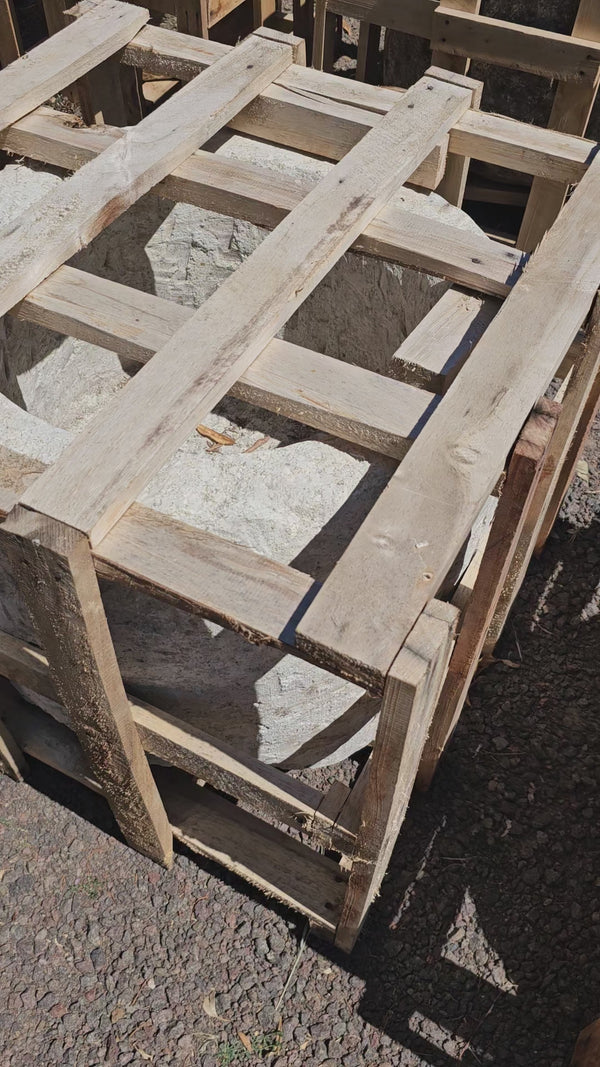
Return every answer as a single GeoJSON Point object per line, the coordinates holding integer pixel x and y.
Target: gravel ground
{"type": "Point", "coordinates": [482, 947]}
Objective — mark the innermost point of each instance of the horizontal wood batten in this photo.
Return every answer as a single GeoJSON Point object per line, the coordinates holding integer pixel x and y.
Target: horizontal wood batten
{"type": "Point", "coordinates": [276, 113]}
{"type": "Point", "coordinates": [192, 750]}
{"type": "Point", "coordinates": [206, 823]}
{"type": "Point", "coordinates": [355, 404]}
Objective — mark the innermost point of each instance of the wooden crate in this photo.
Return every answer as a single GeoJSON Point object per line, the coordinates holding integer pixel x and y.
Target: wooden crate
{"type": "Point", "coordinates": [462, 408]}
{"type": "Point", "coordinates": [459, 33]}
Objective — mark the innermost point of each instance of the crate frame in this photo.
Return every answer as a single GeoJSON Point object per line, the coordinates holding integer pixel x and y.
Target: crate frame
{"type": "Point", "coordinates": [411, 658]}
{"type": "Point", "coordinates": [458, 33]}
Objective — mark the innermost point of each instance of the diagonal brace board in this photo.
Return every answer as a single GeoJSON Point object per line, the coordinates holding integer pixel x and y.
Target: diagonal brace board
{"type": "Point", "coordinates": [74, 213]}
{"type": "Point", "coordinates": [412, 534]}
{"type": "Point", "coordinates": [99, 476]}
{"type": "Point", "coordinates": [57, 62]}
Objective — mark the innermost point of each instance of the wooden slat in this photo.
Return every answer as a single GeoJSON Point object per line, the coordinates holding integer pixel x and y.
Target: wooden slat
{"type": "Point", "coordinates": [571, 108]}
{"type": "Point", "coordinates": [409, 698]}
{"type": "Point", "coordinates": [508, 44]}
{"type": "Point", "coordinates": [282, 113]}
{"type": "Point", "coordinates": [523, 474]}
{"type": "Point", "coordinates": [195, 752]}
{"type": "Point", "coordinates": [339, 398]}
{"type": "Point", "coordinates": [434, 352]}
{"type": "Point", "coordinates": [9, 34]}
{"type": "Point", "coordinates": [453, 184]}
{"type": "Point", "coordinates": [265, 196]}
{"type": "Point", "coordinates": [578, 408]}
{"type": "Point", "coordinates": [12, 760]}
{"type": "Point", "coordinates": [411, 535]}
{"type": "Point", "coordinates": [208, 824]}
{"type": "Point", "coordinates": [57, 62]}
{"type": "Point", "coordinates": [98, 477]}
{"type": "Point", "coordinates": [267, 858]}
{"type": "Point", "coordinates": [73, 213]}
{"type": "Point", "coordinates": [411, 16]}
{"type": "Point", "coordinates": [58, 582]}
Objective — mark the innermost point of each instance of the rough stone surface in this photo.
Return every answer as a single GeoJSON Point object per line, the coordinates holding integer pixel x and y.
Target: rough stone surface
{"type": "Point", "coordinates": [481, 949]}
{"type": "Point", "coordinates": [297, 497]}
{"type": "Point", "coordinates": [522, 96]}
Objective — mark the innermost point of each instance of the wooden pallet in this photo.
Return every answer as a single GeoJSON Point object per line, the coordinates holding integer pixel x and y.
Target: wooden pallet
{"type": "Point", "coordinates": [462, 408]}
{"type": "Point", "coordinates": [458, 33]}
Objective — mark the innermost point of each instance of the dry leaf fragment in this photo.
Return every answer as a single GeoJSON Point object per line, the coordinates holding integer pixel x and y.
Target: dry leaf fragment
{"type": "Point", "coordinates": [214, 435]}
{"type": "Point", "coordinates": [144, 1055]}
{"type": "Point", "coordinates": [117, 1014]}
{"type": "Point", "coordinates": [246, 1042]}
{"type": "Point", "coordinates": [583, 471]}
{"type": "Point", "coordinates": [257, 444]}
{"type": "Point", "coordinates": [210, 1008]}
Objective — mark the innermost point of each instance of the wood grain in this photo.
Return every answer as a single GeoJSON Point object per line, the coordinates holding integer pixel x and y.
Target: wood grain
{"type": "Point", "coordinates": [415, 529]}
{"type": "Point", "coordinates": [101, 473]}
{"type": "Point", "coordinates": [71, 215]}
{"type": "Point", "coordinates": [57, 62]}
{"type": "Point", "coordinates": [58, 582]}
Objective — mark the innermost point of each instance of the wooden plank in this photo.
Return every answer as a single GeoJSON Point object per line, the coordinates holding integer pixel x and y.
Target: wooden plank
{"type": "Point", "coordinates": [193, 17]}
{"type": "Point", "coordinates": [453, 184]}
{"type": "Point", "coordinates": [524, 470]}
{"type": "Point", "coordinates": [206, 823]}
{"type": "Point", "coordinates": [348, 401]}
{"type": "Point", "coordinates": [571, 109]}
{"type": "Point", "coordinates": [409, 698]}
{"type": "Point", "coordinates": [234, 325]}
{"type": "Point", "coordinates": [508, 44]}
{"type": "Point", "coordinates": [267, 858]}
{"type": "Point", "coordinates": [265, 196]}
{"type": "Point", "coordinates": [58, 582]}
{"type": "Point", "coordinates": [10, 40]}
{"type": "Point", "coordinates": [410, 16]}
{"type": "Point", "coordinates": [457, 64]}
{"type": "Point", "coordinates": [282, 113]}
{"type": "Point", "coordinates": [195, 752]}
{"type": "Point", "coordinates": [578, 405]}
{"type": "Point", "coordinates": [416, 527]}
{"type": "Point", "coordinates": [437, 348]}
{"type": "Point", "coordinates": [57, 62]}
{"type": "Point", "coordinates": [367, 56]}
{"type": "Point", "coordinates": [72, 214]}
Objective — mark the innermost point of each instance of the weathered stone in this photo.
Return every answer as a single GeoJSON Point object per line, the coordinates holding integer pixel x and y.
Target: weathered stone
{"type": "Point", "coordinates": [297, 498]}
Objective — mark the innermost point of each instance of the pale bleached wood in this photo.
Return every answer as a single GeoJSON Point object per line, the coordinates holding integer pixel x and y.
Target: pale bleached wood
{"type": "Point", "coordinates": [73, 213]}
{"type": "Point", "coordinates": [509, 44]}
{"type": "Point", "coordinates": [10, 42]}
{"type": "Point", "coordinates": [50, 742]}
{"type": "Point", "coordinates": [409, 697]}
{"type": "Point", "coordinates": [57, 62]}
{"type": "Point", "coordinates": [191, 750]}
{"type": "Point", "coordinates": [276, 114]}
{"type": "Point", "coordinates": [454, 69]}
{"type": "Point", "coordinates": [434, 352]}
{"type": "Point", "coordinates": [58, 582]}
{"type": "Point", "coordinates": [98, 477]}
{"type": "Point", "coordinates": [523, 473]}
{"type": "Point", "coordinates": [578, 406]}
{"type": "Point", "coordinates": [457, 64]}
{"type": "Point", "coordinates": [571, 109]}
{"type": "Point", "coordinates": [350, 402]}
{"type": "Point", "coordinates": [265, 196]}
{"type": "Point", "coordinates": [416, 527]}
